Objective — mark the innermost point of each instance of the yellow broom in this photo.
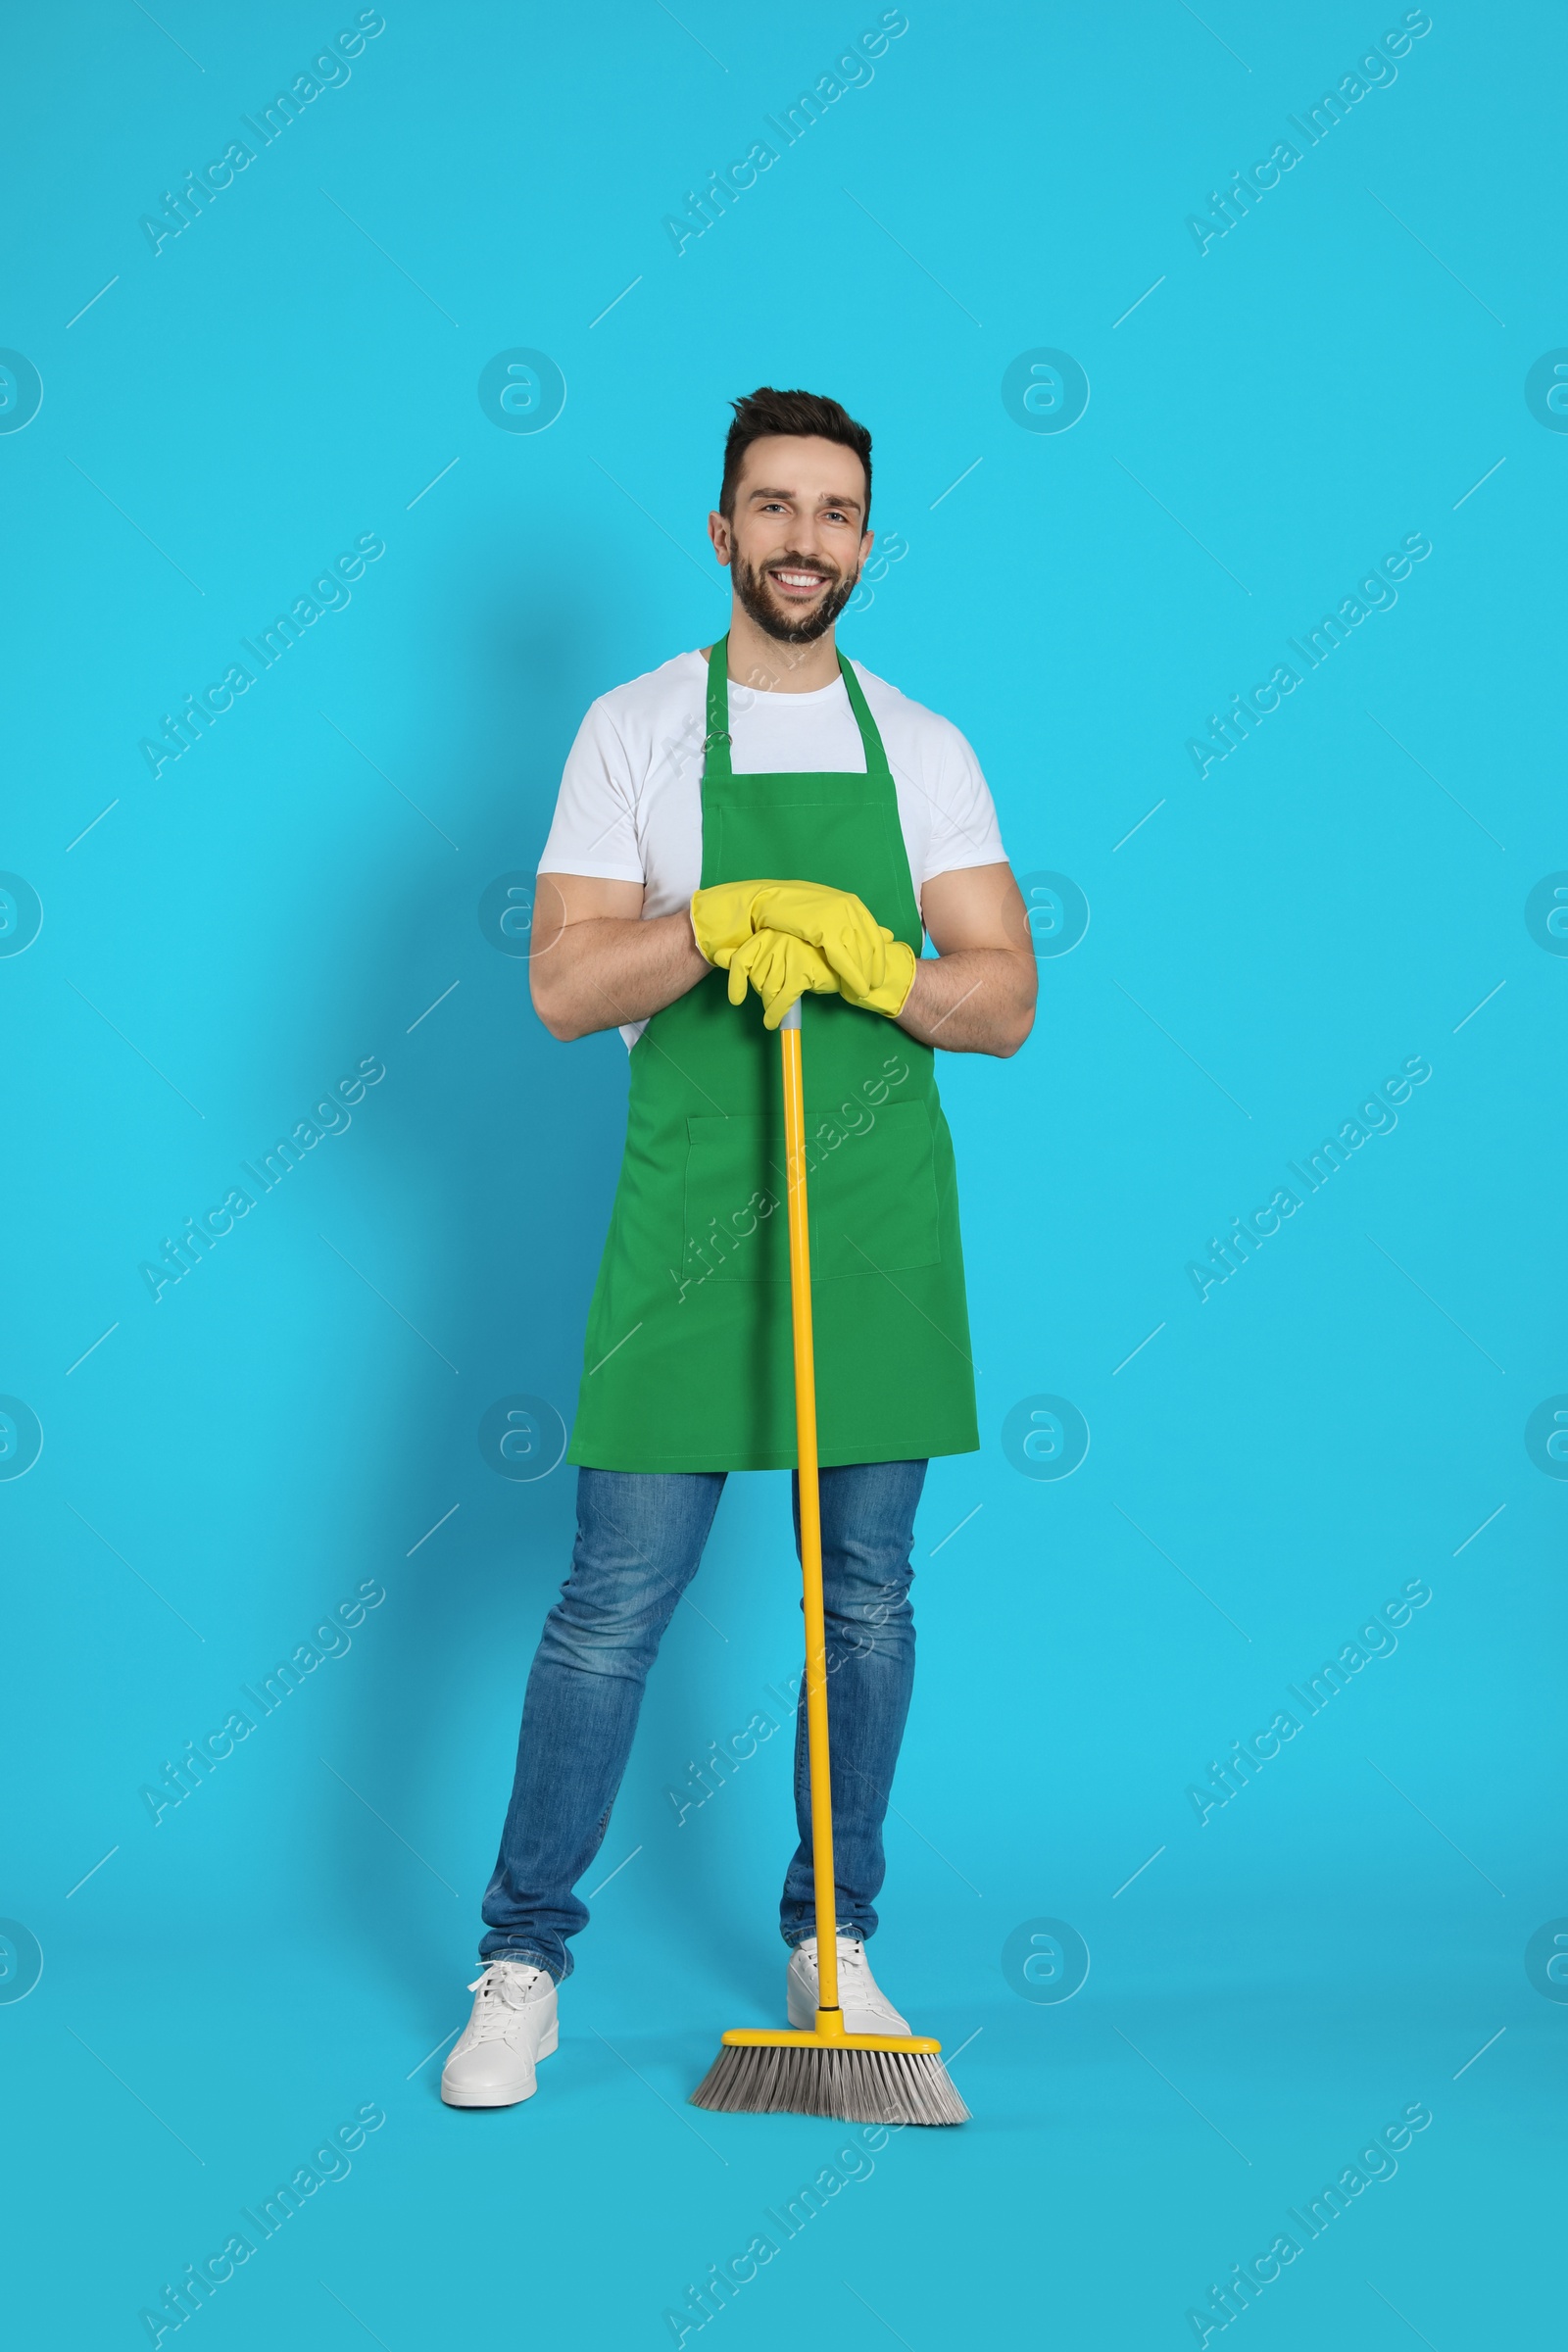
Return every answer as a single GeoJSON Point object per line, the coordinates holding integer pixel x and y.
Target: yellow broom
{"type": "Point", "coordinates": [859, 2078]}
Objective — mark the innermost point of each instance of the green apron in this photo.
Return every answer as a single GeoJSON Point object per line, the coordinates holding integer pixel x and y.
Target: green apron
{"type": "Point", "coordinates": [688, 1362]}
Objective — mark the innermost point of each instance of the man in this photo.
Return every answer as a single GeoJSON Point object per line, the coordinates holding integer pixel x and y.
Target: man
{"type": "Point", "coordinates": [748, 826]}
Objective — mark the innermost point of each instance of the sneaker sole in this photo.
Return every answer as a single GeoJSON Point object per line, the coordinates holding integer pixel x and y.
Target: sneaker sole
{"type": "Point", "coordinates": [547, 2049]}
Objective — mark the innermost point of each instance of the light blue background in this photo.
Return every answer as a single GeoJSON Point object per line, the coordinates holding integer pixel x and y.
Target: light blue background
{"type": "Point", "coordinates": [301, 886]}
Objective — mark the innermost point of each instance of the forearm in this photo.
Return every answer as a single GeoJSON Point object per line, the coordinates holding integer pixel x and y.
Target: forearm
{"type": "Point", "coordinates": [600, 973]}
{"type": "Point", "coordinates": [975, 1001]}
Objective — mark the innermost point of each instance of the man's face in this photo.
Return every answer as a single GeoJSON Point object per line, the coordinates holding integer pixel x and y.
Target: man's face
{"type": "Point", "coordinates": [796, 539]}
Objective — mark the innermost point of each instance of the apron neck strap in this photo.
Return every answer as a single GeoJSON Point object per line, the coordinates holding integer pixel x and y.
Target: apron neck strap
{"type": "Point", "coordinates": [716, 740]}
{"type": "Point", "coordinates": [716, 743]}
{"type": "Point", "coordinates": [876, 758]}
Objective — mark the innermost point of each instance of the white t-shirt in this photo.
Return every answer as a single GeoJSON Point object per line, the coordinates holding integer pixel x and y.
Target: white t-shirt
{"type": "Point", "coordinates": [630, 805]}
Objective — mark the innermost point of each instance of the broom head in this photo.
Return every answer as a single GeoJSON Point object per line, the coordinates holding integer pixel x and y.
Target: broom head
{"type": "Point", "coordinates": [855, 2077]}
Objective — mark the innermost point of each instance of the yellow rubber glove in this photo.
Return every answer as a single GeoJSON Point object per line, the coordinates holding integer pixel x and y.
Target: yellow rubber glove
{"type": "Point", "coordinates": [721, 917]}
{"type": "Point", "coordinates": [874, 970]}
{"type": "Point", "coordinates": [781, 968]}
{"type": "Point", "coordinates": [891, 993]}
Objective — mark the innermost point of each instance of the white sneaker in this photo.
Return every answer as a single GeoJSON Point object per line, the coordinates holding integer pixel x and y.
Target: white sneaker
{"type": "Point", "coordinates": [866, 2008]}
{"type": "Point", "coordinates": [513, 2025]}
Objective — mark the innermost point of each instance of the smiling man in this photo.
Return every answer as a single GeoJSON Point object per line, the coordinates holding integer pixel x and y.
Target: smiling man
{"type": "Point", "coordinates": [749, 825]}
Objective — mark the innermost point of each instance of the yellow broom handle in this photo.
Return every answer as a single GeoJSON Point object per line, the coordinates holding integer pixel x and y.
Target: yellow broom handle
{"type": "Point", "coordinates": [811, 1515]}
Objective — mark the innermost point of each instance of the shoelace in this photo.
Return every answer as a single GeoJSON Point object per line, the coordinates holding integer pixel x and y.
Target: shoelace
{"type": "Point", "coordinates": [855, 1978]}
{"type": "Point", "coordinates": [851, 1958]}
{"type": "Point", "coordinates": [501, 1991]}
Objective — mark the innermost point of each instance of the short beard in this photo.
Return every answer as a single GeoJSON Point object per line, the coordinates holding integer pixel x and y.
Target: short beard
{"type": "Point", "coordinates": [749, 587]}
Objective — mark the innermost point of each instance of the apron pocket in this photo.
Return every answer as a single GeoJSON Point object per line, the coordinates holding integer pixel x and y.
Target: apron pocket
{"type": "Point", "coordinates": [872, 1193]}
{"type": "Point", "coordinates": [736, 1222]}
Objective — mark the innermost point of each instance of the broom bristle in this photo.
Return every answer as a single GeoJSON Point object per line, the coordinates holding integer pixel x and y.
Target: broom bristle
{"type": "Point", "coordinates": [856, 2086]}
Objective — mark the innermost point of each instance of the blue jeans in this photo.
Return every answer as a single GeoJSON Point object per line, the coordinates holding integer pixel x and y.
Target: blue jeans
{"type": "Point", "coordinates": [640, 1536]}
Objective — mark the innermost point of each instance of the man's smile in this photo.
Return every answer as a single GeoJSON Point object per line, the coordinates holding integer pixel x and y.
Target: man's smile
{"type": "Point", "coordinates": [800, 584]}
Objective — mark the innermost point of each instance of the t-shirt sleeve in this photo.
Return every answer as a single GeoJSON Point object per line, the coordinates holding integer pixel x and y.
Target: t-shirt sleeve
{"type": "Point", "coordinates": [964, 819]}
{"type": "Point", "coordinates": [594, 830]}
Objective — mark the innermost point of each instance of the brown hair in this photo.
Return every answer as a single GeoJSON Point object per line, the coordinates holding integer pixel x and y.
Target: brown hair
{"type": "Point", "coordinates": [805, 413]}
